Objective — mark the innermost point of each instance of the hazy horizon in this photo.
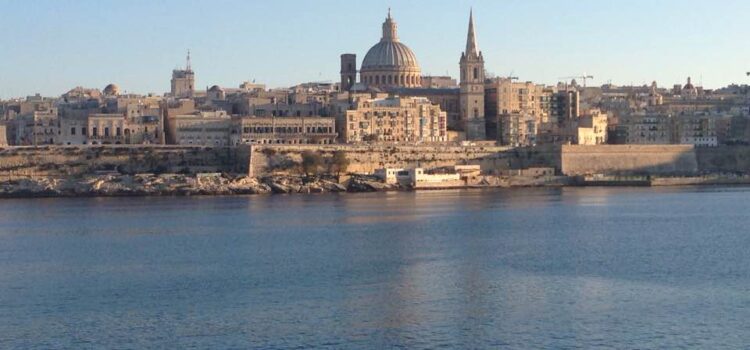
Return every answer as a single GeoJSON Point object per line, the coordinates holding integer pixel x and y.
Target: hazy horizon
{"type": "Point", "coordinates": [53, 46]}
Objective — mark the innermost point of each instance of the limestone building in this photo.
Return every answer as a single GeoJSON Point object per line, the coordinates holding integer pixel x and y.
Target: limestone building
{"type": "Point", "coordinates": [394, 119]}
{"type": "Point", "coordinates": [106, 129]}
{"type": "Point", "coordinates": [472, 87]}
{"type": "Point", "coordinates": [207, 128]}
{"type": "Point", "coordinates": [37, 128]}
{"type": "Point", "coordinates": [283, 130]}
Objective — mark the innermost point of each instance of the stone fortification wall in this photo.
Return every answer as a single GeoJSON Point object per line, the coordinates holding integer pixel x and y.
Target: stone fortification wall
{"type": "Point", "coordinates": [366, 158]}
{"type": "Point", "coordinates": [724, 159]}
{"type": "Point", "coordinates": [64, 161]}
{"type": "Point", "coordinates": [629, 159]}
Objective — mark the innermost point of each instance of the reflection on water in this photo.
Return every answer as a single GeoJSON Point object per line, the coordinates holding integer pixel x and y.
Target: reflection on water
{"type": "Point", "coordinates": [532, 268]}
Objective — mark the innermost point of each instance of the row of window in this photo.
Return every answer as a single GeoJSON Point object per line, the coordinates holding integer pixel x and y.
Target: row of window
{"type": "Point", "coordinates": [95, 131]}
{"type": "Point", "coordinates": [287, 129]}
{"type": "Point", "coordinates": [400, 79]}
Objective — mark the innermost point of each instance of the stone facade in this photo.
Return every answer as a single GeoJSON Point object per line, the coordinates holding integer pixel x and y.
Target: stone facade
{"type": "Point", "coordinates": [201, 128]}
{"type": "Point", "coordinates": [284, 130]}
{"type": "Point", "coordinates": [402, 119]}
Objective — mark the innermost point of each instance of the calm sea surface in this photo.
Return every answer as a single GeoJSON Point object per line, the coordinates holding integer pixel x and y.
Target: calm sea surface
{"type": "Point", "coordinates": [547, 268]}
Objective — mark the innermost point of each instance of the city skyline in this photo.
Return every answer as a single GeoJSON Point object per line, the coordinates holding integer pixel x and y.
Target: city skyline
{"type": "Point", "coordinates": [136, 45]}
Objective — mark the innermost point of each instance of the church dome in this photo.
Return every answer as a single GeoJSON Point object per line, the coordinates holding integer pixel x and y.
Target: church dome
{"type": "Point", "coordinates": [689, 85]}
{"type": "Point", "coordinates": [390, 54]}
{"type": "Point", "coordinates": [111, 90]}
{"type": "Point", "coordinates": [390, 63]}
{"type": "Point", "coordinates": [216, 88]}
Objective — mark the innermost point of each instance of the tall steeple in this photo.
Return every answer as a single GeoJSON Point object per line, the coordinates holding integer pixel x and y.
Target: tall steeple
{"type": "Point", "coordinates": [472, 86]}
{"type": "Point", "coordinates": [390, 29]}
{"type": "Point", "coordinates": [471, 39]}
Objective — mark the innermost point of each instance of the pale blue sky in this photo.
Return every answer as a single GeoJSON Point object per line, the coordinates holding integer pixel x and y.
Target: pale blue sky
{"type": "Point", "coordinates": [50, 46]}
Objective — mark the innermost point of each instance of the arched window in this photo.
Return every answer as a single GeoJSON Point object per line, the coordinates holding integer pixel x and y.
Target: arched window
{"type": "Point", "coordinates": [476, 73]}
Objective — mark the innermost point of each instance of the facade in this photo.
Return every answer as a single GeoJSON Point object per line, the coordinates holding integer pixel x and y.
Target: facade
{"type": "Point", "coordinates": [472, 87]}
{"type": "Point", "coordinates": [389, 63]}
{"type": "Point", "coordinates": [397, 119]}
{"type": "Point", "coordinates": [646, 128]}
{"type": "Point", "coordinates": [3, 137]}
{"type": "Point", "coordinates": [283, 130]}
{"type": "Point", "coordinates": [201, 128]}
{"type": "Point", "coordinates": [517, 129]}
{"type": "Point", "coordinates": [592, 129]}
{"type": "Point", "coordinates": [74, 129]}
{"type": "Point", "coordinates": [106, 129]}
{"type": "Point", "coordinates": [446, 98]}
{"type": "Point", "coordinates": [697, 129]}
{"type": "Point", "coordinates": [37, 128]}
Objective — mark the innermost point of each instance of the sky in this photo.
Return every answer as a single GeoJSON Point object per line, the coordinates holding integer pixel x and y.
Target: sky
{"type": "Point", "coordinates": [51, 46]}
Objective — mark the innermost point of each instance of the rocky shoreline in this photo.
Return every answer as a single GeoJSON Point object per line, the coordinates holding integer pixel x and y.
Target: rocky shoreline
{"type": "Point", "coordinates": [213, 184]}
{"type": "Point", "coordinates": [116, 185]}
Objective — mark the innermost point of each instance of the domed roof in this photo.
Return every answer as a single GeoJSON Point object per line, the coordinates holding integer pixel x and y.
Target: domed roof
{"type": "Point", "coordinates": [390, 52]}
{"type": "Point", "coordinates": [216, 88]}
{"type": "Point", "coordinates": [689, 85]}
{"type": "Point", "coordinates": [111, 89]}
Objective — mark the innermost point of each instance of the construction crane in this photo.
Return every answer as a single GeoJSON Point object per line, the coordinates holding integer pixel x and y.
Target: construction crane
{"type": "Point", "coordinates": [583, 78]}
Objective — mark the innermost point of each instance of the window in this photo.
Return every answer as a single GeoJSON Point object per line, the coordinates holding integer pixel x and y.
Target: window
{"type": "Point", "coordinates": [72, 131]}
{"type": "Point", "coordinates": [106, 131]}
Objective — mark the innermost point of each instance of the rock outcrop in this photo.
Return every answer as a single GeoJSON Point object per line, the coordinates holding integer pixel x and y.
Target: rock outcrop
{"type": "Point", "coordinates": [109, 185]}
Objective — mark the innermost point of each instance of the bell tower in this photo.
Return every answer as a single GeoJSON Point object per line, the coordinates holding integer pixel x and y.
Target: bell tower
{"type": "Point", "coordinates": [348, 71]}
{"type": "Point", "coordinates": [472, 87]}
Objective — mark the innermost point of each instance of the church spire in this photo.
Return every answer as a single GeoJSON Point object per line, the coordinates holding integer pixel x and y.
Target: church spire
{"type": "Point", "coordinates": [471, 39]}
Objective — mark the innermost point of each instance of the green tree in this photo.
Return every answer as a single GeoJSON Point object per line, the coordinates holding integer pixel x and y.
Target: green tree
{"type": "Point", "coordinates": [311, 162]}
{"type": "Point", "coordinates": [339, 163]}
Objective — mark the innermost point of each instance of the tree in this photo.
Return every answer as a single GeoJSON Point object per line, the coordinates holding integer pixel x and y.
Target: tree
{"type": "Point", "coordinates": [311, 161]}
{"type": "Point", "coordinates": [339, 163]}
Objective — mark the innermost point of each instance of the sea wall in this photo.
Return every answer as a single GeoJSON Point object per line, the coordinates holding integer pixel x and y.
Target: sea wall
{"type": "Point", "coordinates": [65, 161]}
{"type": "Point", "coordinates": [724, 159]}
{"type": "Point", "coordinates": [629, 159]}
{"type": "Point", "coordinates": [366, 158]}
{"type": "Point", "coordinates": [261, 160]}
